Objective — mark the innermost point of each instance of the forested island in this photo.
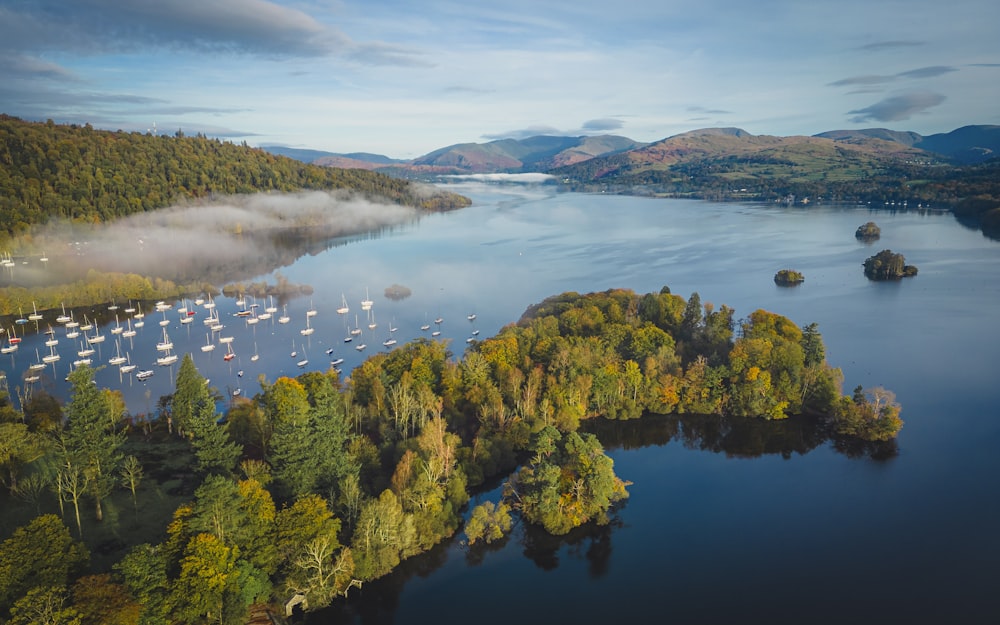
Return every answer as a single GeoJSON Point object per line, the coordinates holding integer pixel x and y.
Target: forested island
{"type": "Point", "coordinates": [789, 277]}
{"type": "Point", "coordinates": [888, 265]}
{"type": "Point", "coordinates": [868, 232]}
{"type": "Point", "coordinates": [316, 484]}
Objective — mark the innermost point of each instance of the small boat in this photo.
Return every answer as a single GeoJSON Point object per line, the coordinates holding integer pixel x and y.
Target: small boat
{"type": "Point", "coordinates": [13, 339]}
{"type": "Point", "coordinates": [138, 313]}
{"type": "Point", "coordinates": [72, 323]}
{"type": "Point", "coordinates": [34, 316]}
{"type": "Point", "coordinates": [270, 310]}
{"type": "Point", "coordinates": [166, 344]}
{"type": "Point", "coordinates": [334, 363]}
{"type": "Point", "coordinates": [209, 305]}
{"type": "Point", "coordinates": [71, 333]}
{"type": "Point", "coordinates": [52, 357]}
{"type": "Point", "coordinates": [113, 305]}
{"type": "Point", "coordinates": [425, 327]}
{"type": "Point", "coordinates": [169, 359]}
{"type": "Point", "coordinates": [470, 339]}
{"type": "Point", "coordinates": [389, 342]}
{"type": "Point", "coordinates": [225, 339]}
{"type": "Point", "coordinates": [436, 333]}
{"type": "Point", "coordinates": [329, 351]}
{"type": "Point", "coordinates": [294, 353]}
{"type": "Point", "coordinates": [255, 356]}
{"type": "Point", "coordinates": [361, 347]}
{"type": "Point", "coordinates": [127, 368]}
{"type": "Point", "coordinates": [312, 310]}
{"type": "Point", "coordinates": [130, 309]}
{"type": "Point", "coordinates": [81, 362]}
{"type": "Point", "coordinates": [145, 374]}
{"type": "Point", "coordinates": [199, 301]}
{"type": "Point", "coordinates": [343, 310]}
{"type": "Point", "coordinates": [471, 317]}
{"type": "Point", "coordinates": [211, 319]}
{"type": "Point", "coordinates": [357, 328]}
{"type": "Point", "coordinates": [306, 331]}
{"type": "Point", "coordinates": [85, 351]}
{"type": "Point", "coordinates": [118, 329]}
{"type": "Point", "coordinates": [475, 333]}
{"type": "Point", "coordinates": [229, 352]}
{"type": "Point", "coordinates": [305, 359]}
{"type": "Point", "coordinates": [86, 326]}
{"type": "Point", "coordinates": [240, 301]}
{"type": "Point", "coordinates": [31, 378]}
{"type": "Point", "coordinates": [209, 345]}
{"type": "Point", "coordinates": [284, 318]}
{"type": "Point", "coordinates": [63, 318]}
{"type": "Point", "coordinates": [392, 328]}
{"type": "Point", "coordinates": [371, 320]}
{"type": "Point", "coordinates": [129, 332]}
{"type": "Point", "coordinates": [367, 302]}
{"type": "Point", "coordinates": [439, 320]}
{"type": "Point", "coordinates": [118, 359]}
{"type": "Point", "coordinates": [38, 365]}
{"type": "Point", "coordinates": [97, 338]}
{"type": "Point", "coordinates": [164, 322]}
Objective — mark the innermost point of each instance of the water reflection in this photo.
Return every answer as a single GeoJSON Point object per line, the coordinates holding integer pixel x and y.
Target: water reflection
{"type": "Point", "coordinates": [734, 437]}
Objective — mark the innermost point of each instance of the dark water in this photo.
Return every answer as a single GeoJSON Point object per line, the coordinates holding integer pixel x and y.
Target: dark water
{"type": "Point", "coordinates": [749, 532]}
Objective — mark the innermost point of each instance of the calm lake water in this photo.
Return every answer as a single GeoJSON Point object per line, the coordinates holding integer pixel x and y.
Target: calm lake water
{"type": "Point", "coordinates": [748, 530]}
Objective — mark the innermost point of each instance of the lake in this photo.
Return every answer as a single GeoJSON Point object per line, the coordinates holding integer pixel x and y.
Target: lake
{"type": "Point", "coordinates": [747, 532]}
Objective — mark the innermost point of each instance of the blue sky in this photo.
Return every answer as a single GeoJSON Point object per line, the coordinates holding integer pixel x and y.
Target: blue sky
{"type": "Point", "coordinates": [404, 78]}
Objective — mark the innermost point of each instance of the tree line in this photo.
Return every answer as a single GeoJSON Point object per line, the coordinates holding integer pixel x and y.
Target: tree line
{"type": "Point", "coordinates": [50, 171]}
{"type": "Point", "coordinates": [316, 485]}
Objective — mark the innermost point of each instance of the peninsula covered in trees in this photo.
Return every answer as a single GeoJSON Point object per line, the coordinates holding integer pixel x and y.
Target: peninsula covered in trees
{"type": "Point", "coordinates": [316, 485]}
{"type": "Point", "coordinates": [77, 173]}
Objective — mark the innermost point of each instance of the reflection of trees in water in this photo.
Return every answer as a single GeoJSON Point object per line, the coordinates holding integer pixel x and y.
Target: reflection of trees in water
{"type": "Point", "coordinates": [736, 437]}
{"type": "Point", "coordinates": [590, 541]}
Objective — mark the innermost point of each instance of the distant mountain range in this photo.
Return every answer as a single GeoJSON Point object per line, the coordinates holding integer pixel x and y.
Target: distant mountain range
{"type": "Point", "coordinates": [597, 157]}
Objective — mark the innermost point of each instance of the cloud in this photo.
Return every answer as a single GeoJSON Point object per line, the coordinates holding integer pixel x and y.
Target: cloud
{"type": "Point", "coordinates": [888, 45]}
{"type": "Point", "coordinates": [868, 79]}
{"type": "Point", "coordinates": [984, 64]}
{"type": "Point", "coordinates": [524, 133]}
{"type": "Point", "coordinates": [897, 108]}
{"type": "Point", "coordinates": [606, 123]}
{"type": "Point", "coordinates": [927, 72]}
{"type": "Point", "coordinates": [702, 109]}
{"type": "Point", "coordinates": [877, 79]}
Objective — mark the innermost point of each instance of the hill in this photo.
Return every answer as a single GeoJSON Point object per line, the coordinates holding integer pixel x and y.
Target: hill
{"type": "Point", "coordinates": [534, 154]}
{"type": "Point", "coordinates": [50, 171]}
{"type": "Point", "coordinates": [353, 160]}
{"type": "Point", "coordinates": [735, 157]}
{"type": "Point", "coordinates": [965, 145]}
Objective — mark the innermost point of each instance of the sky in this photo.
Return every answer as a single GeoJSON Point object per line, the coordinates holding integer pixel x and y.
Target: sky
{"type": "Point", "coordinates": [405, 77]}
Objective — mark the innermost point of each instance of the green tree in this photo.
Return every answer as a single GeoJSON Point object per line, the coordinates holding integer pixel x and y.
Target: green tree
{"type": "Point", "coordinates": [489, 522]}
{"type": "Point", "coordinates": [92, 436]}
{"type": "Point", "coordinates": [207, 572]}
{"type": "Point", "coordinates": [42, 554]}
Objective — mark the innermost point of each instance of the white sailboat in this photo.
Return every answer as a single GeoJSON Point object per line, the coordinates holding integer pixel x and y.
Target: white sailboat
{"type": "Point", "coordinates": [86, 326]}
{"type": "Point", "coordinates": [209, 345]}
{"type": "Point", "coordinates": [72, 323]}
{"type": "Point", "coordinates": [34, 316]}
{"type": "Point", "coordinates": [357, 328]}
{"type": "Point", "coordinates": [166, 344]}
{"type": "Point", "coordinates": [64, 318]}
{"type": "Point", "coordinates": [129, 332]}
{"type": "Point", "coordinates": [367, 302]}
{"type": "Point", "coordinates": [209, 305]}
{"type": "Point", "coordinates": [312, 310]}
{"type": "Point", "coordinates": [117, 359]}
{"type": "Point", "coordinates": [38, 365]}
{"type": "Point", "coordinates": [255, 356]}
{"type": "Point", "coordinates": [371, 320]}
{"type": "Point", "coordinates": [305, 359]}
{"type": "Point", "coordinates": [343, 310]}
{"type": "Point", "coordinates": [272, 308]}
{"type": "Point", "coordinates": [284, 318]}
{"type": "Point", "coordinates": [52, 357]}
{"type": "Point", "coordinates": [97, 338]}
{"type": "Point", "coordinates": [71, 333]}
{"type": "Point", "coordinates": [129, 367]}
{"type": "Point", "coordinates": [118, 329]}
{"type": "Point", "coordinates": [138, 312]}
{"type": "Point", "coordinates": [306, 331]}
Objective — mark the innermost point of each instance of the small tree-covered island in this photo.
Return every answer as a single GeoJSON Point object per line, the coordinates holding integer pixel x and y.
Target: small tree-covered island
{"type": "Point", "coordinates": [316, 485]}
{"type": "Point", "coordinates": [868, 232]}
{"type": "Point", "coordinates": [789, 277]}
{"type": "Point", "coordinates": [887, 265]}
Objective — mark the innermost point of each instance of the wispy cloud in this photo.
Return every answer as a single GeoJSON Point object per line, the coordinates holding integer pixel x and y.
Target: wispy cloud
{"type": "Point", "coordinates": [897, 108]}
{"type": "Point", "coordinates": [878, 79]}
{"type": "Point", "coordinates": [889, 45]}
{"type": "Point", "coordinates": [927, 72]}
{"type": "Point", "coordinates": [708, 111]}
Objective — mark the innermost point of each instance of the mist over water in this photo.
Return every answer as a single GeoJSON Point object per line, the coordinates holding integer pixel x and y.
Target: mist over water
{"type": "Point", "coordinates": [207, 240]}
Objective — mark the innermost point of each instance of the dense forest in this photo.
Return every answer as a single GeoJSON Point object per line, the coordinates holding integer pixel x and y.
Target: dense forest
{"type": "Point", "coordinates": [50, 171]}
{"type": "Point", "coordinates": [315, 485]}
